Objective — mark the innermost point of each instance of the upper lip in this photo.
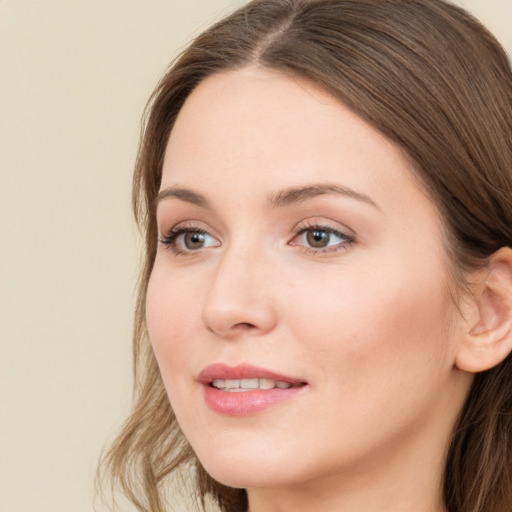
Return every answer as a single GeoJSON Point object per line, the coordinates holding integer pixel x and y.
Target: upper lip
{"type": "Point", "coordinates": [242, 371]}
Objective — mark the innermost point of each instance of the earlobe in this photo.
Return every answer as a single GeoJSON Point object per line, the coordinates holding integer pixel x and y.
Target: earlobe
{"type": "Point", "coordinates": [489, 339]}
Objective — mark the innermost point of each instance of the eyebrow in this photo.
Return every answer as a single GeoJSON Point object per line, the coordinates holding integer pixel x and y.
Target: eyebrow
{"type": "Point", "coordinates": [279, 199]}
{"type": "Point", "coordinates": [294, 195]}
{"type": "Point", "coordinates": [183, 194]}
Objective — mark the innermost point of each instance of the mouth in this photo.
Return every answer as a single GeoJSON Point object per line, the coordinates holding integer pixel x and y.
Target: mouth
{"type": "Point", "coordinates": [245, 389]}
{"type": "Point", "coordinates": [241, 385]}
{"type": "Point", "coordinates": [246, 377]}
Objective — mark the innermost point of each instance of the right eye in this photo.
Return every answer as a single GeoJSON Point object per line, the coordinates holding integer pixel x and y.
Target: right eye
{"type": "Point", "coordinates": [187, 240]}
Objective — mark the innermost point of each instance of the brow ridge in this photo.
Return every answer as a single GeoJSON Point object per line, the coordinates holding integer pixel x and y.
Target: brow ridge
{"type": "Point", "coordinates": [183, 194]}
{"type": "Point", "coordinates": [294, 195]}
{"type": "Point", "coordinates": [280, 199]}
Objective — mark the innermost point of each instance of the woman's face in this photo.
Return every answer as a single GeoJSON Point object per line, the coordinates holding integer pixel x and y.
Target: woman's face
{"type": "Point", "coordinates": [298, 255]}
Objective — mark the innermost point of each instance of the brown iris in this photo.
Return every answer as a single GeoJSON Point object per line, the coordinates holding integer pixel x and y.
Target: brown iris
{"type": "Point", "coordinates": [194, 240]}
{"type": "Point", "coordinates": [318, 238]}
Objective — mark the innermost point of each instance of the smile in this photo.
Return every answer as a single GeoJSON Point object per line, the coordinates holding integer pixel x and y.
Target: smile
{"type": "Point", "coordinates": [235, 385]}
{"type": "Point", "coordinates": [245, 389]}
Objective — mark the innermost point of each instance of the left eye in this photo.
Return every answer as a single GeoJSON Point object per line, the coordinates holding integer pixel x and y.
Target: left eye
{"type": "Point", "coordinates": [320, 238]}
{"type": "Point", "coordinates": [193, 240]}
{"type": "Point", "coordinates": [189, 240]}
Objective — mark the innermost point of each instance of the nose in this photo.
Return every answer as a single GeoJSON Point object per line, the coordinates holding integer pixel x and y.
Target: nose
{"type": "Point", "coordinates": [240, 299]}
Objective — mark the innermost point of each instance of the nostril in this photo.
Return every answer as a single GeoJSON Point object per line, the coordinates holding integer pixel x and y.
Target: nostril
{"type": "Point", "coordinates": [244, 326]}
{"type": "Point", "coordinates": [227, 315]}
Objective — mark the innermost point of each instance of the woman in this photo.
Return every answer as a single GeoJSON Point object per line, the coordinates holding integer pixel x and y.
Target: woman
{"type": "Point", "coordinates": [324, 317]}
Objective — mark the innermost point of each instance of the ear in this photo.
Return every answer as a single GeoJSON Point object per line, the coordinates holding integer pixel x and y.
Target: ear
{"type": "Point", "coordinates": [488, 340]}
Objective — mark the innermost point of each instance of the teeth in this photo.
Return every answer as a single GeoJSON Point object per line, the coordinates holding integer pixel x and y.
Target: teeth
{"type": "Point", "coordinates": [232, 383]}
{"type": "Point", "coordinates": [236, 385]}
{"type": "Point", "coordinates": [249, 383]}
{"type": "Point", "coordinates": [267, 383]}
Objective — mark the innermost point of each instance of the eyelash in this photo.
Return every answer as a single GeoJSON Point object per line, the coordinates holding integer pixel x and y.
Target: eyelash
{"type": "Point", "coordinates": [170, 239]}
{"type": "Point", "coordinates": [347, 240]}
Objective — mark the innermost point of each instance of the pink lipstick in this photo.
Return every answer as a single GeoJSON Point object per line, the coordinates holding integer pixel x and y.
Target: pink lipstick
{"type": "Point", "coordinates": [246, 389]}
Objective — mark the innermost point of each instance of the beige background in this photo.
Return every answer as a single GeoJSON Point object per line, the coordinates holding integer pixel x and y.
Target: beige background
{"type": "Point", "coordinates": [74, 79]}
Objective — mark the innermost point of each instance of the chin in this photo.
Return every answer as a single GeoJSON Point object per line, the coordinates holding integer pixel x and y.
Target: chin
{"type": "Point", "coordinates": [247, 476]}
{"type": "Point", "coordinates": [240, 468]}
{"type": "Point", "coordinates": [257, 467]}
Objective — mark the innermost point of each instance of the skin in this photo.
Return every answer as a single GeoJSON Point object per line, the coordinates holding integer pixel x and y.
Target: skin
{"type": "Point", "coordinates": [367, 321]}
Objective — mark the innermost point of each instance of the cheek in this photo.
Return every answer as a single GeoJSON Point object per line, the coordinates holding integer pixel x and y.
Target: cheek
{"type": "Point", "coordinates": [373, 332]}
{"type": "Point", "coordinates": [171, 307]}
{"type": "Point", "coordinates": [379, 356]}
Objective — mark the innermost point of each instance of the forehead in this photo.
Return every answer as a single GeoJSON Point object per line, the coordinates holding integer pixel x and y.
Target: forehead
{"type": "Point", "coordinates": [262, 130]}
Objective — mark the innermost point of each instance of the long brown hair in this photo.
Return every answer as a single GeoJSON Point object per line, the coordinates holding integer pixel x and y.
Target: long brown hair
{"type": "Point", "coordinates": [433, 80]}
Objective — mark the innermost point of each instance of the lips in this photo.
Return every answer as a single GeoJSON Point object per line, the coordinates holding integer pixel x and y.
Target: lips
{"type": "Point", "coordinates": [246, 389]}
{"type": "Point", "coordinates": [243, 371]}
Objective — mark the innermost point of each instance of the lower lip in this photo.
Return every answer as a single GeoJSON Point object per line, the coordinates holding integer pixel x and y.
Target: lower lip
{"type": "Point", "coordinates": [244, 403]}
